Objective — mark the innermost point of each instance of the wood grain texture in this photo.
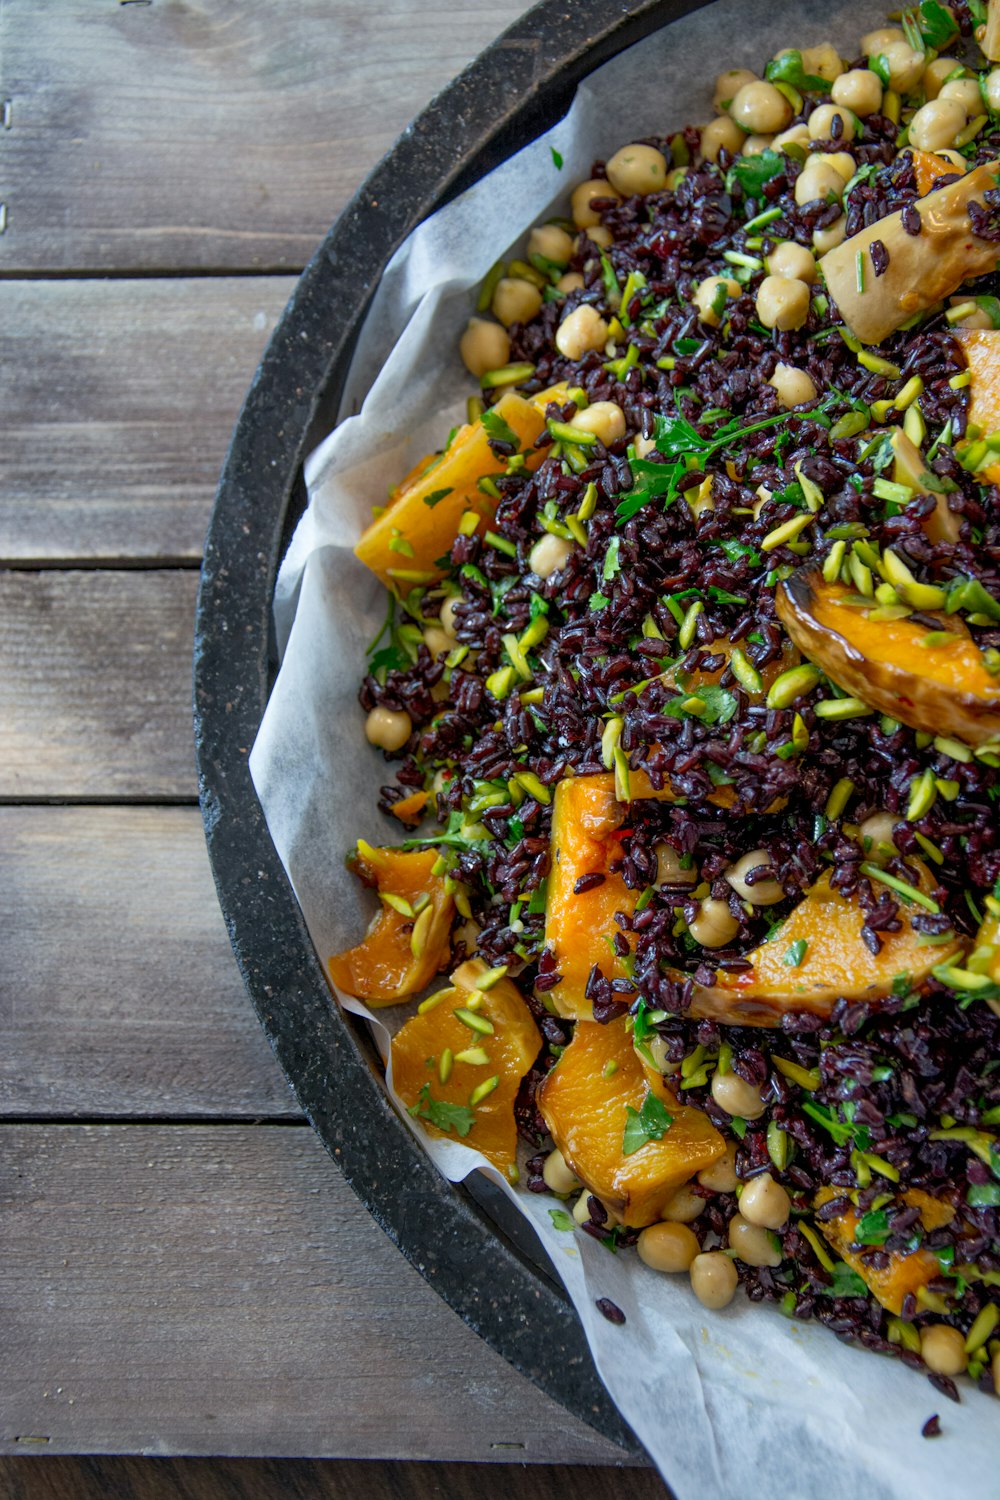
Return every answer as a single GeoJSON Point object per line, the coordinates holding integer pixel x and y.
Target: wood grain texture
{"type": "Point", "coordinates": [220, 1290]}
{"type": "Point", "coordinates": [305, 1479]}
{"type": "Point", "coordinates": [209, 133]}
{"type": "Point", "coordinates": [119, 400]}
{"type": "Point", "coordinates": [95, 684]}
{"type": "Point", "coordinates": [119, 993]}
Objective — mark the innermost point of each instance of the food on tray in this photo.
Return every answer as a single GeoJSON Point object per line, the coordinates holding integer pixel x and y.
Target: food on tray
{"type": "Point", "coordinates": [691, 672]}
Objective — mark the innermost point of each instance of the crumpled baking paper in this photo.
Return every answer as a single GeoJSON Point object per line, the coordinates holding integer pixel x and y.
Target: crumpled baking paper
{"type": "Point", "coordinates": [741, 1402]}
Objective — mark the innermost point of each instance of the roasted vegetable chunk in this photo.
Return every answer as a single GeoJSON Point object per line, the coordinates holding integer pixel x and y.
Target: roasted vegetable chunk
{"type": "Point", "coordinates": [586, 1102]}
{"type": "Point", "coordinates": [816, 956]}
{"type": "Point", "coordinates": [981, 348]}
{"type": "Point", "coordinates": [458, 1063]}
{"type": "Point", "coordinates": [904, 1273]}
{"type": "Point", "coordinates": [409, 940]}
{"type": "Point", "coordinates": [932, 679]}
{"type": "Point", "coordinates": [922, 269]}
{"type": "Point", "coordinates": [420, 522]}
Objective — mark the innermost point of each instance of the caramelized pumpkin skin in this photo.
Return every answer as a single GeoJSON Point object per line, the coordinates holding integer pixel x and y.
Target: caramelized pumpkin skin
{"type": "Point", "coordinates": [586, 819]}
{"type": "Point", "coordinates": [942, 688]}
{"type": "Point", "coordinates": [424, 511]}
{"type": "Point", "coordinates": [510, 1050]}
{"type": "Point", "coordinates": [586, 1113]}
{"type": "Point", "coordinates": [904, 1273]}
{"type": "Point", "coordinates": [981, 348]}
{"type": "Point", "coordinates": [383, 969]}
{"type": "Point", "coordinates": [834, 962]}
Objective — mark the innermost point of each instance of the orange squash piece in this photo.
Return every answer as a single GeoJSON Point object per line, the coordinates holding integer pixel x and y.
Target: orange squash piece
{"type": "Point", "coordinates": [942, 688]}
{"type": "Point", "coordinates": [402, 950]}
{"type": "Point", "coordinates": [928, 167]}
{"type": "Point", "coordinates": [981, 347]}
{"type": "Point", "coordinates": [834, 962]}
{"type": "Point", "coordinates": [410, 810]}
{"type": "Point", "coordinates": [420, 1058]}
{"type": "Point", "coordinates": [420, 522]}
{"type": "Point", "coordinates": [905, 1273]}
{"type": "Point", "coordinates": [586, 819]}
{"type": "Point", "coordinates": [585, 1101]}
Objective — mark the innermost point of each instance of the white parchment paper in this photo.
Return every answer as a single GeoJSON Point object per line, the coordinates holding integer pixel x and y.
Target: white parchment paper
{"type": "Point", "coordinates": [736, 1403]}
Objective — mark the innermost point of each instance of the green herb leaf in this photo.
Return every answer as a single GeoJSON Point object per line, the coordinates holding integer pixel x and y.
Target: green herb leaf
{"type": "Point", "coordinates": [823, 1115]}
{"type": "Point", "coordinates": [845, 1283]}
{"type": "Point", "coordinates": [598, 601]}
{"type": "Point", "coordinates": [612, 562]}
{"type": "Point", "coordinates": [557, 158]}
{"type": "Point", "coordinates": [751, 172]}
{"type": "Point", "coordinates": [393, 658]}
{"type": "Point", "coordinates": [735, 550]}
{"type": "Point", "coordinates": [872, 1228]}
{"type": "Point", "coordinates": [719, 705]}
{"type": "Point", "coordinates": [436, 496]}
{"type": "Point", "coordinates": [937, 25]}
{"type": "Point", "coordinates": [650, 1123]}
{"type": "Point", "coordinates": [440, 1113]}
{"type": "Point", "coordinates": [497, 430]}
{"type": "Point", "coordinates": [795, 953]}
{"type": "Point", "coordinates": [561, 1219]}
{"type": "Point", "coordinates": [788, 69]}
{"type": "Point", "coordinates": [984, 1195]}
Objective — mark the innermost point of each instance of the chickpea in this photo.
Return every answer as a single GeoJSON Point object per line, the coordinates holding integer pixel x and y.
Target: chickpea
{"type": "Point", "coordinates": [552, 243]}
{"type": "Point", "coordinates": [842, 162]}
{"type": "Point", "coordinates": [705, 298]}
{"type": "Point", "coordinates": [860, 91]}
{"type": "Point", "coordinates": [937, 124]}
{"type": "Point", "coordinates": [585, 215]}
{"type": "Point", "coordinates": [764, 892]}
{"type": "Point", "coordinates": [558, 1175]}
{"type": "Point", "coordinates": [874, 42]}
{"type": "Point", "coordinates": [830, 237]}
{"type": "Point", "coordinates": [822, 60]}
{"type": "Point", "coordinates": [549, 555]}
{"type": "Point", "coordinates": [874, 832]}
{"type": "Point", "coordinates": [760, 109]}
{"type": "Point", "coordinates": [798, 135]}
{"type": "Point", "coordinates": [580, 331]}
{"type": "Point", "coordinates": [484, 346]}
{"type": "Point", "coordinates": [714, 1279]}
{"type": "Point", "coordinates": [728, 85]}
{"type": "Point", "coordinates": [571, 282]}
{"type": "Point", "coordinates": [715, 925]}
{"type": "Point", "coordinates": [604, 419]}
{"type": "Point", "coordinates": [905, 66]}
{"type": "Point", "coordinates": [794, 386]}
{"type": "Point", "coordinates": [782, 302]}
{"type": "Point", "coordinates": [978, 319]}
{"type": "Point", "coordinates": [437, 641]}
{"type": "Point", "coordinates": [964, 91]}
{"type": "Point", "coordinates": [636, 170]}
{"type": "Point", "coordinates": [720, 1177]}
{"type": "Point", "coordinates": [942, 1349]}
{"type": "Point", "coordinates": [936, 74]}
{"type": "Point", "coordinates": [737, 1097]}
{"type": "Point", "coordinates": [991, 90]}
{"type": "Point", "coordinates": [581, 1208]}
{"type": "Point", "coordinates": [644, 447]}
{"type": "Point", "coordinates": [388, 728]}
{"type": "Point", "coordinates": [790, 259]}
{"type": "Point", "coordinates": [754, 145]}
{"type": "Point", "coordinates": [683, 1206]}
{"type": "Point", "coordinates": [721, 133]}
{"type": "Point", "coordinates": [600, 235]}
{"type": "Point", "coordinates": [818, 180]}
{"type": "Point", "coordinates": [752, 1244]}
{"type": "Point", "coordinates": [515, 300]}
{"type": "Point", "coordinates": [764, 1202]}
{"type": "Point", "coordinates": [447, 615]}
{"type": "Point", "coordinates": [659, 1049]}
{"type": "Point", "coordinates": [668, 1247]}
{"type": "Point", "coordinates": [823, 126]}
{"type": "Point", "coordinates": [670, 870]}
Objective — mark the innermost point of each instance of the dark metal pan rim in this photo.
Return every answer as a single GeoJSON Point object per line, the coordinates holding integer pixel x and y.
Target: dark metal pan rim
{"type": "Point", "coordinates": [516, 89]}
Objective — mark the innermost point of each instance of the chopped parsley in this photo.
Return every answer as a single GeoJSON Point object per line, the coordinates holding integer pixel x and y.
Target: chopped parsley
{"type": "Point", "coordinates": [440, 1113]}
{"type": "Point", "coordinates": [650, 1123]}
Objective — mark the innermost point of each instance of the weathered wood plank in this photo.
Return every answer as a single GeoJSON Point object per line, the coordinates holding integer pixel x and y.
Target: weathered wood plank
{"type": "Point", "coordinates": [95, 684]}
{"type": "Point", "coordinates": [297, 1479]}
{"type": "Point", "coordinates": [119, 399]}
{"type": "Point", "coordinates": [119, 993]}
{"type": "Point", "coordinates": [221, 1290]}
{"type": "Point", "coordinates": [221, 134]}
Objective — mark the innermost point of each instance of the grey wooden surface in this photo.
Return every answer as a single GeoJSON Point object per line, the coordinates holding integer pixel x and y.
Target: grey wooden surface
{"type": "Point", "coordinates": [184, 1271]}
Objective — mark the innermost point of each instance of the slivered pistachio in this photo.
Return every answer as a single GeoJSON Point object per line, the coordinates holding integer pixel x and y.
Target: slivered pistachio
{"type": "Point", "coordinates": [481, 1024]}
{"type": "Point", "coordinates": [421, 929]}
{"type": "Point", "coordinates": [476, 1057]}
{"type": "Point", "coordinates": [787, 532]}
{"type": "Point", "coordinates": [923, 795]}
{"type": "Point", "coordinates": [483, 1090]}
{"type": "Point", "coordinates": [398, 903]}
{"type": "Point", "coordinates": [796, 683]}
{"type": "Point", "coordinates": [842, 708]}
{"type": "Point", "coordinates": [839, 797]}
{"type": "Point", "coordinates": [745, 672]}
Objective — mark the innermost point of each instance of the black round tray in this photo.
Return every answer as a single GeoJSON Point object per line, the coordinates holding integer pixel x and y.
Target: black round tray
{"type": "Point", "coordinates": [516, 89]}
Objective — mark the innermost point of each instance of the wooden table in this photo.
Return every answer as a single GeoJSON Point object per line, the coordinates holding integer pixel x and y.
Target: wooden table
{"type": "Point", "coordinates": [183, 1269]}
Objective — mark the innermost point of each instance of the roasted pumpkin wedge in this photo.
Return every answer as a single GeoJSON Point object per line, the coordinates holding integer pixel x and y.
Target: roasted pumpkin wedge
{"type": "Point", "coordinates": [409, 940]}
{"type": "Point", "coordinates": [922, 269]}
{"type": "Point", "coordinates": [596, 1090]}
{"type": "Point", "coordinates": [904, 1274]}
{"type": "Point", "coordinates": [459, 1062]}
{"type": "Point", "coordinates": [420, 522]}
{"type": "Point", "coordinates": [580, 926]}
{"type": "Point", "coordinates": [817, 956]}
{"type": "Point", "coordinates": [933, 680]}
{"type": "Point", "coordinates": [981, 348]}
